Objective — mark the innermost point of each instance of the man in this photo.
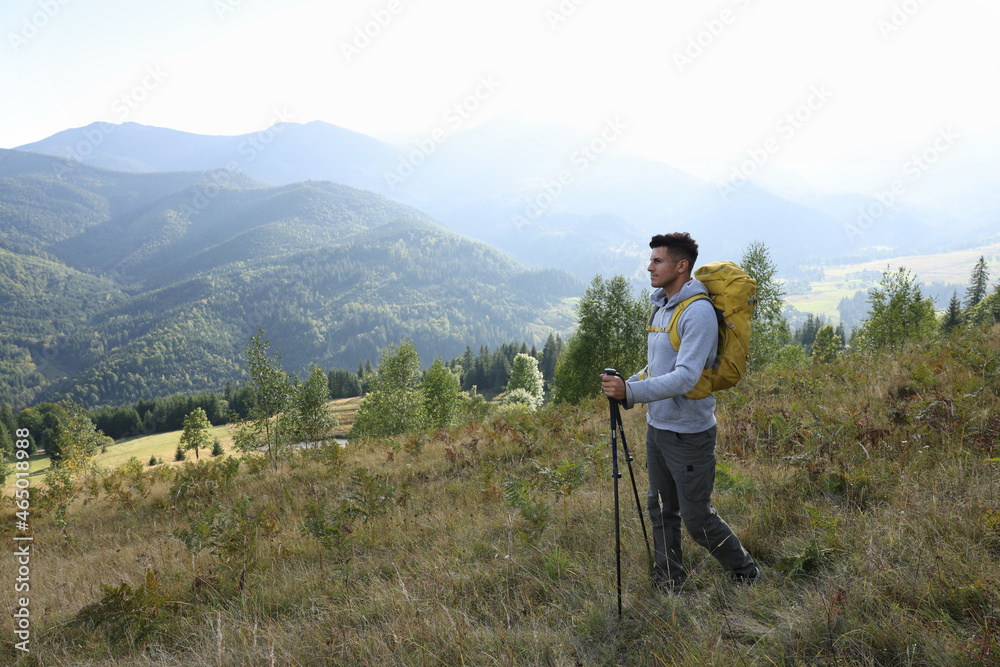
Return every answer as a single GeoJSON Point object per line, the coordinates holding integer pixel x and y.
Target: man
{"type": "Point", "coordinates": [681, 432]}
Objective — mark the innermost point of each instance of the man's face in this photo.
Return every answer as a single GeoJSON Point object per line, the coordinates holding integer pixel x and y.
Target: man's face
{"type": "Point", "coordinates": [664, 271]}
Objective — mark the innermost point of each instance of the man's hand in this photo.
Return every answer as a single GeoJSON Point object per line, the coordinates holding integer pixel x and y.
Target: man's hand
{"type": "Point", "coordinates": [613, 386]}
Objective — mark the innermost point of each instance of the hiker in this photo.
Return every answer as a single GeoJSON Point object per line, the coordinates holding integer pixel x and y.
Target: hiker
{"type": "Point", "coordinates": [681, 431]}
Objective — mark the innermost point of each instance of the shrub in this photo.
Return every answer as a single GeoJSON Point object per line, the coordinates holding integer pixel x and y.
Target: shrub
{"type": "Point", "coordinates": [125, 615]}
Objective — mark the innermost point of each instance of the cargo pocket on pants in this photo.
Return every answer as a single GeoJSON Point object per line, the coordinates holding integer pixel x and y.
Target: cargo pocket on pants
{"type": "Point", "coordinates": [698, 482]}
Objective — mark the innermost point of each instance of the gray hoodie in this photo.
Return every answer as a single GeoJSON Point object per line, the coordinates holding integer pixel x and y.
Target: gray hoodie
{"type": "Point", "coordinates": [672, 373]}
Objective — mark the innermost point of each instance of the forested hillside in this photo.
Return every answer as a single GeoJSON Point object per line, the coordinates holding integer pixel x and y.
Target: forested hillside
{"type": "Point", "coordinates": [118, 287]}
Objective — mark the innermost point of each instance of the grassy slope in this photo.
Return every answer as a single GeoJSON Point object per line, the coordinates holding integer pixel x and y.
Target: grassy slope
{"type": "Point", "coordinates": [951, 267]}
{"type": "Point", "coordinates": [163, 445]}
{"type": "Point", "coordinates": [867, 489]}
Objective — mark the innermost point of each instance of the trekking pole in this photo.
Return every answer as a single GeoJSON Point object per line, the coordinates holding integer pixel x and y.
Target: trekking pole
{"type": "Point", "coordinates": [616, 427]}
{"type": "Point", "coordinates": [616, 475]}
{"type": "Point", "coordinates": [617, 415]}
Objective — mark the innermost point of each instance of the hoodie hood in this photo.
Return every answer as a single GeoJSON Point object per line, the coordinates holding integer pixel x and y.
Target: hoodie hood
{"type": "Point", "coordinates": [689, 289]}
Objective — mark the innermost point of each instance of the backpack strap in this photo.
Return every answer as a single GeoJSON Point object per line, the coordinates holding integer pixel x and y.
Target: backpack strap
{"type": "Point", "coordinates": [671, 328]}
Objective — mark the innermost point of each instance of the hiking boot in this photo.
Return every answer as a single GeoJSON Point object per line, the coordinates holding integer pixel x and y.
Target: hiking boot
{"type": "Point", "coordinates": [748, 578]}
{"type": "Point", "coordinates": [666, 584]}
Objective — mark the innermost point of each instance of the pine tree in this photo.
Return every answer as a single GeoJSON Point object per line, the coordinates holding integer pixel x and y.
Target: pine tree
{"type": "Point", "coordinates": [807, 334]}
{"type": "Point", "coordinates": [953, 316]}
{"type": "Point", "coordinates": [841, 334]}
{"type": "Point", "coordinates": [550, 355]}
{"type": "Point", "coordinates": [826, 345]}
{"type": "Point", "coordinates": [770, 329]}
{"type": "Point", "coordinates": [978, 284]}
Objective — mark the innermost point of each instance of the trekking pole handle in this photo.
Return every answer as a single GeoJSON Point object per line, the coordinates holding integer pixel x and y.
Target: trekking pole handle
{"type": "Point", "coordinates": [614, 402]}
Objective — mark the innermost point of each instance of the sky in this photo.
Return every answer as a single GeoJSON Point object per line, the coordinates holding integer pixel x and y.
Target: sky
{"type": "Point", "coordinates": [837, 94]}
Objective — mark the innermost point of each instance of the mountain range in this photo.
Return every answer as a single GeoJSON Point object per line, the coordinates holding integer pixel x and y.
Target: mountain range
{"type": "Point", "coordinates": [136, 261]}
{"type": "Point", "coordinates": [557, 196]}
{"type": "Point", "coordinates": [116, 286]}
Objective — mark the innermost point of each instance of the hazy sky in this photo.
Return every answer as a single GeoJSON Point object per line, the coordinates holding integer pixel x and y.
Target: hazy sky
{"type": "Point", "coordinates": [825, 89]}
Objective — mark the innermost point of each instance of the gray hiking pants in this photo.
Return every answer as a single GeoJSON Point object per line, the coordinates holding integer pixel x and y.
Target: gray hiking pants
{"type": "Point", "coordinates": [681, 479]}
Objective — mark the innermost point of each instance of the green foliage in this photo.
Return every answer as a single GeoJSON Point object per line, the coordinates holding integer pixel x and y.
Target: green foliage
{"type": "Point", "coordinates": [127, 484]}
{"type": "Point", "coordinates": [217, 449]}
{"type": "Point", "coordinates": [550, 356]}
{"type": "Point", "coordinates": [521, 397]}
{"type": "Point", "coordinates": [79, 442]}
{"type": "Point", "coordinates": [6, 443]}
{"type": "Point", "coordinates": [196, 432]}
{"type": "Point", "coordinates": [60, 490]}
{"type": "Point", "coordinates": [394, 403]}
{"type": "Point", "coordinates": [563, 480]}
{"type": "Point", "coordinates": [524, 496]}
{"type": "Point", "coordinates": [953, 316]}
{"type": "Point", "coordinates": [109, 291]}
{"type": "Point", "coordinates": [826, 347]}
{"type": "Point", "coordinates": [491, 370]}
{"type": "Point", "coordinates": [770, 330]}
{"type": "Point", "coordinates": [235, 536]}
{"type": "Point", "coordinates": [203, 480]}
{"type": "Point", "coordinates": [978, 284]}
{"type": "Point", "coordinates": [343, 383]}
{"type": "Point", "coordinates": [526, 376]}
{"type": "Point", "coordinates": [45, 422]}
{"type": "Point", "coordinates": [332, 528]}
{"type": "Point", "coordinates": [611, 332]}
{"type": "Point", "coordinates": [161, 415]}
{"type": "Point", "coordinates": [308, 417]}
{"type": "Point", "coordinates": [440, 392]}
{"type": "Point", "coordinates": [179, 454]}
{"type": "Point", "coordinates": [850, 484]}
{"type": "Point", "coordinates": [126, 616]}
{"type": "Point", "coordinates": [816, 552]}
{"type": "Point", "coordinates": [271, 394]}
{"type": "Point", "coordinates": [369, 495]}
{"type": "Point", "coordinates": [986, 311]}
{"type": "Point", "coordinates": [898, 313]}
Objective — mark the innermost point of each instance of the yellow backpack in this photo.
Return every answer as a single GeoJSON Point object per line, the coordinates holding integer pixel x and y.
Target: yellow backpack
{"type": "Point", "coordinates": [734, 295]}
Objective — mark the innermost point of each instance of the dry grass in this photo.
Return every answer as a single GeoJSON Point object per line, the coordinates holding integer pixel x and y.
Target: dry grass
{"type": "Point", "coordinates": [867, 489]}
